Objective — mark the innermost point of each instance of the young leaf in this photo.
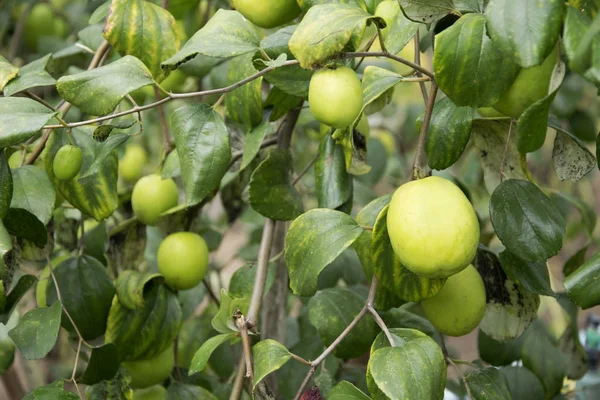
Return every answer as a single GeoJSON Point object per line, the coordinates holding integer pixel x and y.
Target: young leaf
{"type": "Point", "coordinates": [30, 76]}
{"type": "Point", "coordinates": [269, 356]}
{"type": "Point", "coordinates": [448, 135]}
{"type": "Point", "coordinates": [114, 81]}
{"type": "Point", "coordinates": [470, 68]}
{"type": "Point", "coordinates": [226, 34]}
{"type": "Point", "coordinates": [103, 365]}
{"type": "Point", "coordinates": [332, 181]}
{"type": "Point", "coordinates": [7, 72]}
{"type": "Point", "coordinates": [313, 241]}
{"type": "Point", "coordinates": [130, 287]}
{"type": "Point", "coordinates": [523, 383]}
{"type": "Point", "coordinates": [144, 30]}
{"type": "Point", "coordinates": [202, 141]}
{"type": "Point", "coordinates": [528, 30]}
{"type": "Point", "coordinates": [6, 185]}
{"type": "Point", "coordinates": [427, 12]}
{"type": "Point", "coordinates": [244, 104]}
{"type": "Point", "coordinates": [203, 354]}
{"type": "Point", "coordinates": [572, 159]}
{"type": "Point", "coordinates": [488, 383]}
{"type": "Point", "coordinates": [346, 391]}
{"type": "Point", "coordinates": [33, 191]}
{"type": "Point", "coordinates": [377, 81]}
{"type": "Point", "coordinates": [533, 276]}
{"type": "Point", "coordinates": [223, 321]}
{"type": "Point", "coordinates": [36, 333]}
{"type": "Point", "coordinates": [582, 284]}
{"type": "Point", "coordinates": [254, 139]}
{"type": "Point", "coordinates": [20, 119]}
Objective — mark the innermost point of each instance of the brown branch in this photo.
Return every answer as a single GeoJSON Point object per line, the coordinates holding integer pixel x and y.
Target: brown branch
{"type": "Point", "coordinates": [462, 377]}
{"type": "Point", "coordinates": [505, 150]}
{"type": "Point", "coordinates": [73, 379]}
{"type": "Point", "coordinates": [242, 325]}
{"type": "Point", "coordinates": [424, 127]}
{"type": "Point", "coordinates": [404, 61]}
{"type": "Point", "coordinates": [39, 100]}
{"type": "Point", "coordinates": [376, 316]}
{"type": "Point", "coordinates": [418, 62]}
{"type": "Point", "coordinates": [164, 128]}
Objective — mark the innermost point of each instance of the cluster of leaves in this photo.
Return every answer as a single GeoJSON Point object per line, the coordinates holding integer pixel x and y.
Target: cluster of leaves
{"type": "Point", "coordinates": [90, 88]}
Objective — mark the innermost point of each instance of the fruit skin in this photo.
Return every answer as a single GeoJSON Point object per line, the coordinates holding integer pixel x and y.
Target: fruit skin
{"type": "Point", "coordinates": [150, 372]}
{"type": "Point", "coordinates": [460, 304]}
{"type": "Point", "coordinates": [155, 392]}
{"type": "Point", "coordinates": [433, 227]}
{"type": "Point", "coordinates": [132, 164]}
{"type": "Point", "coordinates": [183, 260]}
{"type": "Point", "coordinates": [42, 22]}
{"type": "Point", "coordinates": [267, 13]}
{"type": "Point", "coordinates": [335, 96]}
{"type": "Point", "coordinates": [530, 86]}
{"type": "Point", "coordinates": [152, 196]}
{"type": "Point", "coordinates": [67, 162]}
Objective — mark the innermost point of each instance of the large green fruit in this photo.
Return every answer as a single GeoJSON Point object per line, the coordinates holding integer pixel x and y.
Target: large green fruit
{"type": "Point", "coordinates": [459, 306]}
{"type": "Point", "coordinates": [132, 164]}
{"type": "Point", "coordinates": [335, 96]}
{"type": "Point", "coordinates": [152, 371]}
{"type": "Point", "coordinates": [183, 260]}
{"type": "Point", "coordinates": [67, 162]}
{"type": "Point", "coordinates": [42, 22]}
{"type": "Point", "coordinates": [433, 227]}
{"type": "Point", "coordinates": [267, 13]}
{"type": "Point", "coordinates": [530, 86]}
{"type": "Point", "coordinates": [152, 196]}
{"type": "Point", "coordinates": [155, 392]}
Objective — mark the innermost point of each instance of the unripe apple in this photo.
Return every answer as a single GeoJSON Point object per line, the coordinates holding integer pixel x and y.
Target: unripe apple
{"type": "Point", "coordinates": [132, 164]}
{"type": "Point", "coordinates": [460, 304]}
{"type": "Point", "coordinates": [183, 260]}
{"type": "Point", "coordinates": [267, 13]}
{"type": "Point", "coordinates": [155, 392]}
{"type": "Point", "coordinates": [67, 162]}
{"type": "Point", "coordinates": [152, 196]}
{"type": "Point", "coordinates": [42, 21]}
{"type": "Point", "coordinates": [152, 371]}
{"type": "Point", "coordinates": [433, 227]}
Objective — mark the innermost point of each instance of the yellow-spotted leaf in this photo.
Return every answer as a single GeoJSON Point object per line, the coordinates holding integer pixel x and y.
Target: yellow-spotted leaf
{"type": "Point", "coordinates": [7, 72]}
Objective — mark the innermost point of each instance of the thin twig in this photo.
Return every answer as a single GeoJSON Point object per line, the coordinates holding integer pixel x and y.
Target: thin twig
{"type": "Point", "coordinates": [75, 368]}
{"type": "Point", "coordinates": [366, 48]}
{"type": "Point", "coordinates": [377, 317]}
{"type": "Point", "coordinates": [424, 127]}
{"type": "Point", "coordinates": [264, 253]}
{"type": "Point", "coordinates": [418, 62]}
{"type": "Point", "coordinates": [211, 294]}
{"type": "Point", "coordinates": [402, 60]}
{"type": "Point", "coordinates": [39, 100]}
{"type": "Point", "coordinates": [164, 128]}
{"type": "Point", "coordinates": [100, 52]}
{"type": "Point", "coordinates": [505, 151]}
{"type": "Point", "coordinates": [462, 377]}
{"type": "Point", "coordinates": [300, 359]}
{"type": "Point", "coordinates": [306, 169]}
{"type": "Point", "coordinates": [240, 322]}
{"type": "Point", "coordinates": [238, 383]}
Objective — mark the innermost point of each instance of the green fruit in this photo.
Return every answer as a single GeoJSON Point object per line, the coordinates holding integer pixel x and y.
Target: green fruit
{"type": "Point", "coordinates": [335, 96]}
{"type": "Point", "coordinates": [489, 112]}
{"type": "Point", "coordinates": [155, 392]}
{"type": "Point", "coordinates": [132, 164]}
{"type": "Point", "coordinates": [459, 306]}
{"type": "Point", "coordinates": [433, 227]}
{"type": "Point", "coordinates": [67, 162]}
{"type": "Point", "coordinates": [267, 13]}
{"type": "Point", "coordinates": [530, 86]}
{"type": "Point", "coordinates": [150, 372]}
{"type": "Point", "coordinates": [152, 196]}
{"type": "Point", "coordinates": [42, 22]}
{"type": "Point", "coordinates": [183, 260]}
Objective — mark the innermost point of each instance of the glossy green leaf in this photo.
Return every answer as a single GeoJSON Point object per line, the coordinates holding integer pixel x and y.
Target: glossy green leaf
{"type": "Point", "coordinates": [428, 11]}
{"type": "Point", "coordinates": [325, 30]}
{"type": "Point", "coordinates": [184, 391]}
{"type": "Point", "coordinates": [253, 141]}
{"type": "Point", "coordinates": [367, 217]}
{"type": "Point", "coordinates": [226, 34]}
{"type": "Point", "coordinates": [18, 291]}
{"type": "Point", "coordinates": [143, 30]}
{"type": "Point", "coordinates": [7, 72]}
{"type": "Point", "coordinates": [332, 181]}
{"type": "Point", "coordinates": [130, 287]}
{"type": "Point", "coordinates": [571, 157]}
{"type": "Point", "coordinates": [33, 191]}
{"type": "Point", "coordinates": [582, 284]}
{"type": "Point", "coordinates": [244, 104]}
{"type": "Point", "coordinates": [499, 353]}
{"type": "Point", "coordinates": [470, 68]}
{"type": "Point", "coordinates": [171, 168]}
{"type": "Point", "coordinates": [113, 81]}
{"type": "Point", "coordinates": [204, 352]}
{"type": "Point", "coordinates": [526, 221]}
{"type": "Point", "coordinates": [20, 119]}
{"type": "Point", "coordinates": [223, 321]}
{"type": "Point", "coordinates": [331, 311]}
{"type": "Point", "coordinates": [488, 383]}
{"type": "Point", "coordinates": [523, 383]}
{"type": "Point", "coordinates": [6, 185]}
{"type": "Point", "coordinates": [292, 79]}
{"type": "Point", "coordinates": [103, 365]}
{"type": "Point", "coordinates": [36, 333]}
{"type": "Point", "coordinates": [346, 391]}
{"type": "Point", "coordinates": [377, 81]}
{"type": "Point", "coordinates": [313, 241]}
{"type": "Point", "coordinates": [104, 154]}
{"type": "Point", "coordinates": [533, 276]}
{"type": "Point", "coordinates": [448, 134]}
{"type": "Point", "coordinates": [202, 141]}
{"type": "Point", "coordinates": [30, 76]}
{"type": "Point", "coordinates": [21, 223]}
{"type": "Point", "coordinates": [269, 355]}
{"type": "Point", "coordinates": [527, 30]}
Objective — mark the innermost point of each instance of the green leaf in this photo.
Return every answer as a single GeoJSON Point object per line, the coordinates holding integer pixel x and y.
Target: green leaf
{"type": "Point", "coordinates": [203, 146]}
{"type": "Point", "coordinates": [102, 132]}
{"type": "Point", "coordinates": [576, 25]}
{"type": "Point", "coordinates": [171, 168]}
{"type": "Point", "coordinates": [7, 72]}
{"type": "Point", "coordinates": [523, 384]}
{"type": "Point", "coordinates": [130, 287]}
{"type": "Point", "coordinates": [184, 391]}
{"type": "Point", "coordinates": [99, 13]}
{"type": "Point", "coordinates": [114, 81]}
{"type": "Point", "coordinates": [30, 76]}
{"type": "Point", "coordinates": [6, 185]}
{"type": "Point", "coordinates": [242, 281]}
{"type": "Point", "coordinates": [226, 34]}
{"type": "Point", "coordinates": [20, 119]}
{"type": "Point", "coordinates": [572, 159]}
{"type": "Point", "coordinates": [355, 150]}
{"type": "Point", "coordinates": [332, 181]}
{"type": "Point", "coordinates": [204, 352]}
{"type": "Point", "coordinates": [377, 81]}
{"type": "Point", "coordinates": [470, 68]}
{"type": "Point", "coordinates": [499, 353]}
{"type": "Point", "coordinates": [277, 43]}
{"type": "Point", "coordinates": [510, 309]}
{"type": "Point", "coordinates": [526, 221]}
{"type": "Point", "coordinates": [533, 276]}
{"type": "Point", "coordinates": [103, 365]}
{"type": "Point", "coordinates": [7, 347]}
{"type": "Point", "coordinates": [281, 102]}
{"type": "Point", "coordinates": [399, 30]}
{"type": "Point", "coordinates": [588, 213]}
{"type": "Point", "coordinates": [377, 159]}
{"type": "Point", "coordinates": [331, 311]}
{"type": "Point", "coordinates": [313, 241]}
{"type": "Point", "coordinates": [36, 333]}
{"type": "Point", "coordinates": [269, 356]}
{"type": "Point", "coordinates": [88, 292]}
{"type": "Point", "coordinates": [21, 223]}
{"type": "Point", "coordinates": [346, 391]}
{"type": "Point", "coordinates": [326, 30]}
{"type": "Point", "coordinates": [582, 284]}
{"type": "Point", "coordinates": [367, 217]}
{"type": "Point", "coordinates": [16, 294]}
{"type": "Point", "coordinates": [488, 383]}
{"type": "Point", "coordinates": [527, 30]}
{"type": "Point", "coordinates": [244, 104]}
{"type": "Point", "coordinates": [391, 273]}
{"type": "Point", "coordinates": [575, 261]}
{"type": "Point", "coordinates": [448, 134]}
{"type": "Point", "coordinates": [144, 30]}
{"type": "Point", "coordinates": [115, 389]}
{"type": "Point", "coordinates": [50, 393]}
{"type": "Point", "coordinates": [104, 154]}
{"type": "Point", "coordinates": [253, 140]}
{"type": "Point", "coordinates": [33, 191]}
{"type": "Point", "coordinates": [291, 79]}
{"type": "Point", "coordinates": [426, 12]}
{"type": "Point", "coordinates": [223, 321]}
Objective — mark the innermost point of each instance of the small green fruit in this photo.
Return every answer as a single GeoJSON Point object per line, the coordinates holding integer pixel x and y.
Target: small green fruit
{"type": "Point", "coordinates": [335, 96]}
{"type": "Point", "coordinates": [67, 162]}
{"type": "Point", "coordinates": [152, 196]}
{"type": "Point", "coordinates": [155, 392]}
{"type": "Point", "coordinates": [267, 13]}
{"type": "Point", "coordinates": [42, 22]}
{"type": "Point", "coordinates": [150, 372]}
{"type": "Point", "coordinates": [183, 260]}
{"type": "Point", "coordinates": [433, 227]}
{"type": "Point", "coordinates": [132, 164]}
{"type": "Point", "coordinates": [460, 304]}
{"type": "Point", "coordinates": [14, 161]}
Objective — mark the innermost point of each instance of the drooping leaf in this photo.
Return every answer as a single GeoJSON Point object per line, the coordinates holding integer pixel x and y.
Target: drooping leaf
{"type": "Point", "coordinates": [20, 119]}
{"type": "Point", "coordinates": [104, 152]}
{"type": "Point", "coordinates": [526, 221]}
{"type": "Point", "coordinates": [488, 383]}
{"type": "Point", "coordinates": [427, 12]}
{"type": "Point", "coordinates": [36, 333]}
{"type": "Point", "coordinates": [103, 365]}
{"type": "Point", "coordinates": [143, 30]}
{"type": "Point", "coordinates": [23, 224]}
{"type": "Point", "coordinates": [204, 352]}
{"type": "Point", "coordinates": [100, 90]}
{"type": "Point", "coordinates": [499, 353]}
{"type": "Point", "coordinates": [470, 68]}
{"type": "Point", "coordinates": [313, 241]}
{"type": "Point", "coordinates": [572, 159]}
{"type": "Point", "coordinates": [523, 383]}
{"type": "Point", "coordinates": [202, 141]}
{"type": "Point", "coordinates": [254, 139]}
{"type": "Point", "coordinates": [33, 191]}
{"type": "Point", "coordinates": [332, 181]}
{"type": "Point", "coordinates": [6, 185]}
{"type": "Point", "coordinates": [346, 391]}
{"type": "Point", "coordinates": [582, 284]}
{"type": "Point", "coordinates": [355, 150]}
{"type": "Point", "coordinates": [528, 30]}
{"type": "Point", "coordinates": [244, 104]}
{"type": "Point", "coordinates": [31, 76]}
{"type": "Point", "coordinates": [269, 355]}
{"type": "Point", "coordinates": [130, 287]}
{"type": "Point", "coordinates": [533, 276]}
{"type": "Point", "coordinates": [7, 72]}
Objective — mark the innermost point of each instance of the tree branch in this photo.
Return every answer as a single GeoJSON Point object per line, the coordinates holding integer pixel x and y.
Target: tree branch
{"type": "Point", "coordinates": [505, 151]}
{"type": "Point", "coordinates": [376, 316]}
{"type": "Point", "coordinates": [164, 128]}
{"type": "Point", "coordinates": [242, 325]}
{"type": "Point", "coordinates": [418, 62]}
{"type": "Point", "coordinates": [424, 127]}
{"type": "Point", "coordinates": [404, 61]}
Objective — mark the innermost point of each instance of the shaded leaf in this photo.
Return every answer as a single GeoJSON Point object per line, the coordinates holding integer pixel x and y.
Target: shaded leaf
{"type": "Point", "coordinates": [533, 276]}
{"type": "Point", "coordinates": [7, 72]}
{"type": "Point", "coordinates": [428, 11]}
{"type": "Point", "coordinates": [377, 81]}
{"type": "Point", "coordinates": [488, 383]}
{"type": "Point", "coordinates": [204, 352]}
{"type": "Point", "coordinates": [355, 150]}
{"type": "Point", "coordinates": [6, 185]}
{"type": "Point", "coordinates": [253, 141]}
{"type": "Point", "coordinates": [183, 391]}
{"type": "Point", "coordinates": [292, 79]}
{"type": "Point", "coordinates": [33, 191]}
{"type": "Point", "coordinates": [523, 383]}
{"type": "Point", "coordinates": [37, 331]}
{"type": "Point", "coordinates": [18, 291]}
{"type": "Point", "coordinates": [399, 30]}
{"type": "Point", "coordinates": [572, 159]}
{"type": "Point", "coordinates": [21, 223]}
{"type": "Point", "coordinates": [269, 355]}
{"type": "Point", "coordinates": [130, 287]}
{"type": "Point", "coordinates": [103, 152]}
{"type": "Point", "coordinates": [244, 104]}
{"type": "Point", "coordinates": [499, 353]}
{"type": "Point", "coordinates": [31, 75]}
{"type": "Point", "coordinates": [332, 181]}
{"type": "Point", "coordinates": [103, 365]}
{"type": "Point", "coordinates": [20, 119]}
{"type": "Point", "coordinates": [346, 391]}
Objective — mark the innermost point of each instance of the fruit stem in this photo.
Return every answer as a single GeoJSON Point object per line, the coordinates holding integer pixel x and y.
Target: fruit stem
{"type": "Point", "coordinates": [416, 170]}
